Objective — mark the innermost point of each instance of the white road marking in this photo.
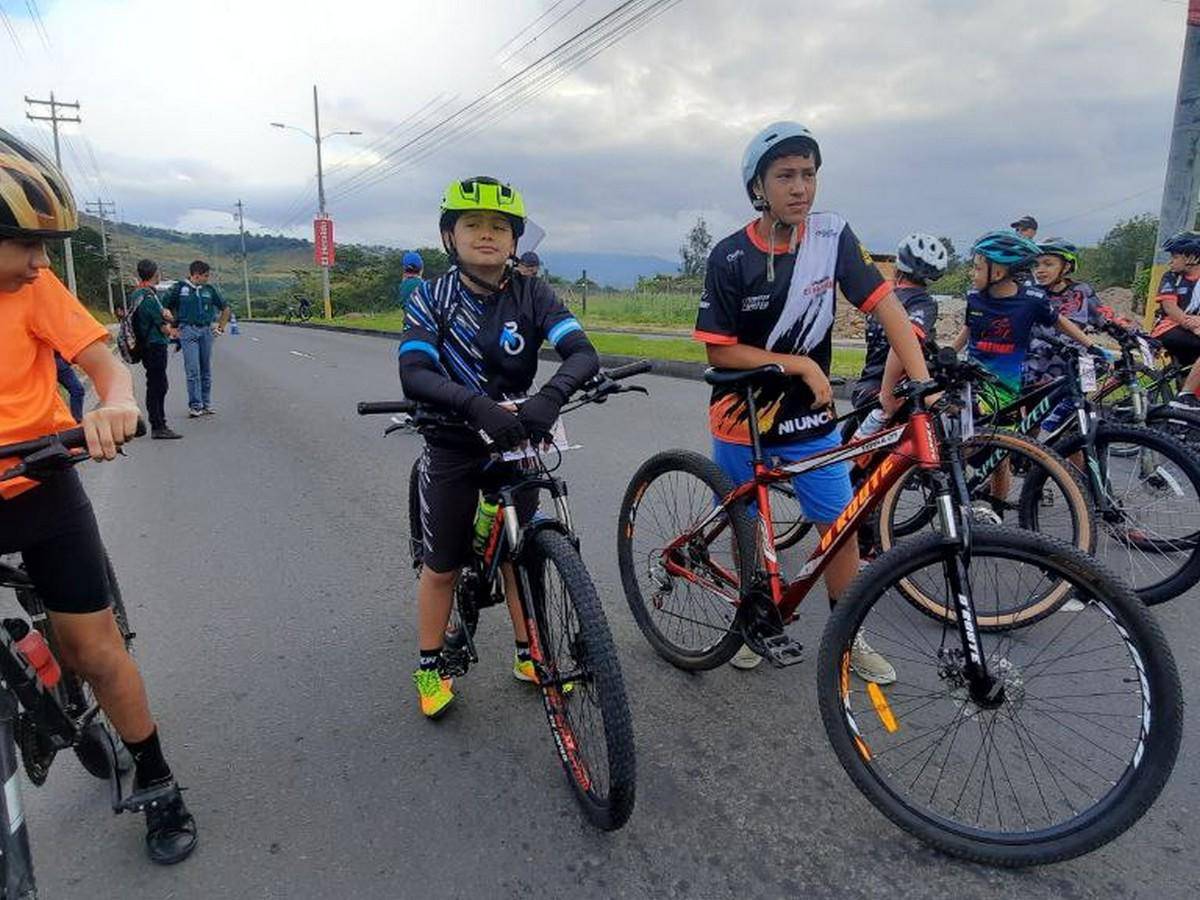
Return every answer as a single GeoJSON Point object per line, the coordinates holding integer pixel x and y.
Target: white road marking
{"type": "Point", "coordinates": [298, 353]}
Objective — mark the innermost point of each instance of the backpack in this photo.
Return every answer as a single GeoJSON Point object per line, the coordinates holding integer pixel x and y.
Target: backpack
{"type": "Point", "coordinates": [129, 343]}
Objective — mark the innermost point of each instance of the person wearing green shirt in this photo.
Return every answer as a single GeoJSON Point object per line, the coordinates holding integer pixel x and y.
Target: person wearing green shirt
{"type": "Point", "coordinates": [195, 304]}
{"type": "Point", "coordinates": [413, 266]}
{"type": "Point", "coordinates": [152, 325]}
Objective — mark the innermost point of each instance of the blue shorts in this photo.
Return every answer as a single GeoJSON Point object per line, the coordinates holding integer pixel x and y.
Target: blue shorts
{"type": "Point", "coordinates": [822, 493]}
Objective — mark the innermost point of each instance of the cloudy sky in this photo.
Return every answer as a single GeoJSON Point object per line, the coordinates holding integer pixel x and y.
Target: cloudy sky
{"type": "Point", "coordinates": [950, 116]}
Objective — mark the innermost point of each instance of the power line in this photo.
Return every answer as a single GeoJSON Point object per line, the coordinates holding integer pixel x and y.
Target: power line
{"type": "Point", "coordinates": [1101, 207]}
{"type": "Point", "coordinates": [54, 119]}
{"type": "Point", "coordinates": [484, 99]}
{"type": "Point", "coordinates": [516, 37]}
{"type": "Point", "coordinates": [35, 13]}
{"type": "Point", "coordinates": [12, 32]}
{"type": "Point", "coordinates": [517, 89]}
{"type": "Point", "coordinates": [537, 37]}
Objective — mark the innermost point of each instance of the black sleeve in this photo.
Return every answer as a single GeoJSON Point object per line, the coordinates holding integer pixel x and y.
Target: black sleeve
{"type": "Point", "coordinates": [923, 313]}
{"type": "Point", "coordinates": [717, 317]}
{"type": "Point", "coordinates": [856, 274]}
{"type": "Point", "coordinates": [579, 358]}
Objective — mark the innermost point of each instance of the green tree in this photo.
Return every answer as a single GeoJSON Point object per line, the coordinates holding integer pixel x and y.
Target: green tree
{"type": "Point", "coordinates": [91, 267]}
{"type": "Point", "coordinates": [952, 252]}
{"type": "Point", "coordinates": [1128, 243]}
{"type": "Point", "coordinates": [695, 249]}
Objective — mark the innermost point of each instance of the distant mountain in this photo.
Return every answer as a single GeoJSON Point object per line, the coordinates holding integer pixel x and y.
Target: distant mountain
{"type": "Point", "coordinates": [615, 269]}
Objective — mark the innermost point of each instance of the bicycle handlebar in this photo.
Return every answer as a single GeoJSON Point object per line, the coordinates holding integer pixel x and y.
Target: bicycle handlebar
{"type": "Point", "coordinates": [598, 383]}
{"type": "Point", "coordinates": [71, 439]}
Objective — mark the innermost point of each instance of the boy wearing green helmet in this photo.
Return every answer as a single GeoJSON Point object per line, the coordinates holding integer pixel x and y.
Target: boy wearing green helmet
{"type": "Point", "coordinates": [470, 347]}
{"type": "Point", "coordinates": [1074, 300]}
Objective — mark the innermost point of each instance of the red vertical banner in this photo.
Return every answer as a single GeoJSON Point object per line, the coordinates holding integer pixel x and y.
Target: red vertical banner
{"type": "Point", "coordinates": [1194, 13]}
{"type": "Point", "coordinates": [324, 253]}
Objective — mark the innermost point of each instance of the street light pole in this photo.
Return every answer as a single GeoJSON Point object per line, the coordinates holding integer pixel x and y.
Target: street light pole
{"type": "Point", "coordinates": [316, 138]}
{"type": "Point", "coordinates": [321, 201]}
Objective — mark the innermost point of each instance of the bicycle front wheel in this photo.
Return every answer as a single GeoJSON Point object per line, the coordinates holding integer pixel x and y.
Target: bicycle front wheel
{"type": "Point", "coordinates": [1072, 749]}
{"type": "Point", "coordinates": [580, 679]}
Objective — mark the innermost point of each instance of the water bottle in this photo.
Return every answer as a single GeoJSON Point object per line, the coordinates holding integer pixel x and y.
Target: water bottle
{"type": "Point", "coordinates": [872, 424]}
{"type": "Point", "coordinates": [485, 515]}
{"type": "Point", "coordinates": [35, 650]}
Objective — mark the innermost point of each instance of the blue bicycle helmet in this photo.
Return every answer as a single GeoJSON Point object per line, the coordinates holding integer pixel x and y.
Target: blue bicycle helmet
{"type": "Point", "coordinates": [1007, 248]}
{"type": "Point", "coordinates": [777, 139]}
{"type": "Point", "coordinates": [412, 262]}
{"type": "Point", "coordinates": [1186, 243]}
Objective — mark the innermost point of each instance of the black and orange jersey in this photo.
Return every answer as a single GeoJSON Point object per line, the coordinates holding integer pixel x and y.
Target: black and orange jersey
{"type": "Point", "coordinates": [793, 313]}
{"type": "Point", "coordinates": [1178, 287]}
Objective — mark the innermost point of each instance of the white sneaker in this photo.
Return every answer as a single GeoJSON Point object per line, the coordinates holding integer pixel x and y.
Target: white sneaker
{"type": "Point", "coordinates": [869, 665]}
{"type": "Point", "coordinates": [1072, 605]}
{"type": "Point", "coordinates": [745, 658]}
{"type": "Point", "coordinates": [195, 413]}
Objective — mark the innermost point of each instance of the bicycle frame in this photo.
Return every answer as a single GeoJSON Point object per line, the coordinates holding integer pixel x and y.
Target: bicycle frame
{"type": "Point", "coordinates": [913, 444]}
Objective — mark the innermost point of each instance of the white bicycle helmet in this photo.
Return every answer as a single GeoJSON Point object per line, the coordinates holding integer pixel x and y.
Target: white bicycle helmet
{"type": "Point", "coordinates": [922, 256]}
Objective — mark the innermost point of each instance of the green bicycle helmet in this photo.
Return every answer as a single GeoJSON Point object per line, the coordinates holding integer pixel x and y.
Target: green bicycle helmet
{"type": "Point", "coordinates": [1063, 249]}
{"type": "Point", "coordinates": [482, 193]}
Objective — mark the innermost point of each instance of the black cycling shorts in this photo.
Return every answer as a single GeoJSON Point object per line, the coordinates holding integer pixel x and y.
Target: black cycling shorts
{"type": "Point", "coordinates": [449, 483]}
{"type": "Point", "coordinates": [54, 529]}
{"type": "Point", "coordinates": [1182, 344]}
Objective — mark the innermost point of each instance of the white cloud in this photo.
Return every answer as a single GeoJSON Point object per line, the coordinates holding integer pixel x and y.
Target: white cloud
{"type": "Point", "coordinates": [942, 114]}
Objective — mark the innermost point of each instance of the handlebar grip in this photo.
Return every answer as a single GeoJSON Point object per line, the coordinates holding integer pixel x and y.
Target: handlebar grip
{"type": "Point", "coordinates": [630, 369]}
{"type": "Point", "coordinates": [386, 407]}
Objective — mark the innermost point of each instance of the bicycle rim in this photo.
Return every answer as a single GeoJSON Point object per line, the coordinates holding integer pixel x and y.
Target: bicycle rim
{"type": "Point", "coordinates": [1079, 745]}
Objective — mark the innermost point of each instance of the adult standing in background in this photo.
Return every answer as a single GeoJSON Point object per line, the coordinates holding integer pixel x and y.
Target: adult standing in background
{"type": "Point", "coordinates": [194, 304]}
{"type": "Point", "coordinates": [1026, 227]}
{"type": "Point", "coordinates": [152, 325]}
{"type": "Point", "coordinates": [530, 264]}
{"type": "Point", "coordinates": [413, 267]}
{"type": "Point", "coordinates": [69, 381]}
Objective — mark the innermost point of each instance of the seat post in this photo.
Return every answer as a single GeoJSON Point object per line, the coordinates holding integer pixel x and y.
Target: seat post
{"type": "Point", "coordinates": [755, 442]}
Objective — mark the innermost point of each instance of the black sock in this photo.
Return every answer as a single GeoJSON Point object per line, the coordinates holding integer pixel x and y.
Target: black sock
{"type": "Point", "coordinates": [430, 658]}
{"type": "Point", "coordinates": [523, 651]}
{"type": "Point", "coordinates": [148, 757]}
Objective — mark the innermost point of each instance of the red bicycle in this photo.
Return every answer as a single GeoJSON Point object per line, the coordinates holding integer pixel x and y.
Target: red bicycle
{"type": "Point", "coordinates": [1036, 740]}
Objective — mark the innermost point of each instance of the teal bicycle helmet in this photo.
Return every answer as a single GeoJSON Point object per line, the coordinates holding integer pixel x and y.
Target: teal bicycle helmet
{"type": "Point", "coordinates": [1006, 248]}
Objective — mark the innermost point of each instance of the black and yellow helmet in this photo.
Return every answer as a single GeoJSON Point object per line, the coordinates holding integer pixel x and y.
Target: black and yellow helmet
{"type": "Point", "coordinates": [482, 193]}
{"type": "Point", "coordinates": [35, 199]}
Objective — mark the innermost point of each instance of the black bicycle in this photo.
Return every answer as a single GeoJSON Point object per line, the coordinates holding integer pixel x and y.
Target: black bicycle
{"type": "Point", "coordinates": [44, 707]}
{"type": "Point", "coordinates": [574, 657]}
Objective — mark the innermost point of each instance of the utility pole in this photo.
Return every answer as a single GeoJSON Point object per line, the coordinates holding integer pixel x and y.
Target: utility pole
{"type": "Point", "coordinates": [1178, 212]}
{"type": "Point", "coordinates": [101, 207]}
{"type": "Point", "coordinates": [317, 139]}
{"type": "Point", "coordinates": [54, 118]}
{"type": "Point", "coordinates": [245, 265]}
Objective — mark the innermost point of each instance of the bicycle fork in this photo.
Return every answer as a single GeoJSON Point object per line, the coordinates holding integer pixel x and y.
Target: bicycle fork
{"type": "Point", "coordinates": [955, 523]}
{"type": "Point", "coordinates": [16, 862]}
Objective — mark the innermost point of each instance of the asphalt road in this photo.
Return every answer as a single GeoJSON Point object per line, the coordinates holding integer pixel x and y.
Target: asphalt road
{"type": "Point", "coordinates": [264, 562]}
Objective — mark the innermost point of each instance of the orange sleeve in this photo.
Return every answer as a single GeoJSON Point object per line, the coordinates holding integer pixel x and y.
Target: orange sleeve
{"type": "Point", "coordinates": [875, 296]}
{"type": "Point", "coordinates": [709, 337]}
{"type": "Point", "coordinates": [59, 319]}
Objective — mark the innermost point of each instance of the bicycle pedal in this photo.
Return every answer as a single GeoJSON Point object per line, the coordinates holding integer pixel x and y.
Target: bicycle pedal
{"type": "Point", "coordinates": [781, 650]}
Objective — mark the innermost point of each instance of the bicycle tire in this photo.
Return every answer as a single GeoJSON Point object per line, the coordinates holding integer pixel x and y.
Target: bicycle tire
{"type": "Point", "coordinates": [713, 483]}
{"type": "Point", "coordinates": [1050, 465]}
{"type": "Point", "coordinates": [583, 646]}
{"type": "Point", "coordinates": [416, 540]}
{"type": "Point", "coordinates": [1181, 424]}
{"type": "Point", "coordinates": [789, 524]}
{"type": "Point", "coordinates": [1186, 575]}
{"type": "Point", "coordinates": [1124, 799]}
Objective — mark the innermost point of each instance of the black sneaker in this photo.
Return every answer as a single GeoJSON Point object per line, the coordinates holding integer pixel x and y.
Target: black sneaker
{"type": "Point", "coordinates": [164, 434]}
{"type": "Point", "coordinates": [170, 829]}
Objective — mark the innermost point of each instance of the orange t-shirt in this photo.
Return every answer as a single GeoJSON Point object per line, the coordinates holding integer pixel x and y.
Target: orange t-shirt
{"type": "Point", "coordinates": [34, 322]}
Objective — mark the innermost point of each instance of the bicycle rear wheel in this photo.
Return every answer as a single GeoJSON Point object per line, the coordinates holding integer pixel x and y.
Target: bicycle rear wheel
{"type": "Point", "coordinates": [416, 533]}
{"type": "Point", "coordinates": [1151, 528]}
{"type": "Point", "coordinates": [1074, 749]}
{"type": "Point", "coordinates": [681, 581]}
{"type": "Point", "coordinates": [580, 679]}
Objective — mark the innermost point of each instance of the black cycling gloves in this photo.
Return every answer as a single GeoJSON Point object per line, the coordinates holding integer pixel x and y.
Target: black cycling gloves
{"type": "Point", "coordinates": [504, 428]}
{"type": "Point", "coordinates": [539, 413]}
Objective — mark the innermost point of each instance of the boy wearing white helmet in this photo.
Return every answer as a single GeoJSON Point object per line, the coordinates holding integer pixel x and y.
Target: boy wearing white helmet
{"type": "Point", "coordinates": [769, 298]}
{"type": "Point", "coordinates": [920, 259]}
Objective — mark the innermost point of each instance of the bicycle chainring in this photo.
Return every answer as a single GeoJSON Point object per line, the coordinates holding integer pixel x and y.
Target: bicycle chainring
{"type": "Point", "coordinates": [37, 753]}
